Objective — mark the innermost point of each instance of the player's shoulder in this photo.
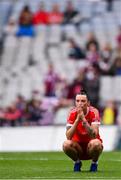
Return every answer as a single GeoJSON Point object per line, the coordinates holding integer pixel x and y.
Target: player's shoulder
{"type": "Point", "coordinates": [93, 109]}
{"type": "Point", "coordinates": [72, 110]}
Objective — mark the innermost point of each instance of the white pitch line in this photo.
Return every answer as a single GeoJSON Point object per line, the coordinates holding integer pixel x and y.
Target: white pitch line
{"type": "Point", "coordinates": [26, 159]}
{"type": "Point", "coordinates": [32, 159]}
{"type": "Point", "coordinates": [43, 178]}
{"type": "Point", "coordinates": [46, 159]}
{"type": "Point", "coordinates": [99, 178]}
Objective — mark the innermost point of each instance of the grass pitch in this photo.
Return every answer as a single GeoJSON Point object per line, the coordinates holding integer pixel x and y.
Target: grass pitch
{"type": "Point", "coordinates": [56, 165]}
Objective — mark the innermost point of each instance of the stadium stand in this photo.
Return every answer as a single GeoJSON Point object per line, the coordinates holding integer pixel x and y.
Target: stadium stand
{"type": "Point", "coordinates": [24, 60]}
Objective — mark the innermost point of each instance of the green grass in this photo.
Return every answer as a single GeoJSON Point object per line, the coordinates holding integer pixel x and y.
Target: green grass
{"type": "Point", "coordinates": [56, 165]}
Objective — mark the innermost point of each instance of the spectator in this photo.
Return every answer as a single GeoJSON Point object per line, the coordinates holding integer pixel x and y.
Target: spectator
{"type": "Point", "coordinates": [75, 52]}
{"type": "Point", "coordinates": [93, 55]}
{"type": "Point", "coordinates": [92, 85]}
{"type": "Point", "coordinates": [20, 104]}
{"type": "Point", "coordinates": [109, 114]}
{"type": "Point", "coordinates": [51, 80]}
{"type": "Point", "coordinates": [91, 39]}
{"type": "Point", "coordinates": [62, 88]}
{"type": "Point", "coordinates": [117, 66]}
{"type": "Point", "coordinates": [2, 116]}
{"type": "Point", "coordinates": [106, 61]}
{"type": "Point", "coordinates": [55, 16]}
{"type": "Point", "coordinates": [41, 16]}
{"type": "Point", "coordinates": [12, 115]}
{"type": "Point", "coordinates": [71, 15]}
{"type": "Point", "coordinates": [34, 112]}
{"type": "Point", "coordinates": [77, 85]}
{"type": "Point", "coordinates": [25, 23]}
{"type": "Point", "coordinates": [118, 37]}
{"type": "Point", "coordinates": [109, 5]}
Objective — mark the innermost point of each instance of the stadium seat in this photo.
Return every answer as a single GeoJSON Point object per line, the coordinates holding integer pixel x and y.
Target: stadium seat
{"type": "Point", "coordinates": [54, 34]}
{"type": "Point", "coordinates": [10, 48]}
{"type": "Point", "coordinates": [106, 92]}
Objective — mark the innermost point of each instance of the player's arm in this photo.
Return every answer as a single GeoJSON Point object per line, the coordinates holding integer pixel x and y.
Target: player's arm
{"type": "Point", "coordinates": [92, 129]}
{"type": "Point", "coordinates": [72, 128]}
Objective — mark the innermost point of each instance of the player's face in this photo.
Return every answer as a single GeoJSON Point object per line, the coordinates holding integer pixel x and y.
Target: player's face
{"type": "Point", "coordinates": [81, 101]}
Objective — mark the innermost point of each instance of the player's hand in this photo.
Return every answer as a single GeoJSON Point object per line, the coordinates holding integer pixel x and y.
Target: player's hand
{"type": "Point", "coordinates": [80, 114]}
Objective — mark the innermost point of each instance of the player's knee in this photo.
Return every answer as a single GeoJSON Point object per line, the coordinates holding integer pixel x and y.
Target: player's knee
{"type": "Point", "coordinates": [66, 145]}
{"type": "Point", "coordinates": [95, 145]}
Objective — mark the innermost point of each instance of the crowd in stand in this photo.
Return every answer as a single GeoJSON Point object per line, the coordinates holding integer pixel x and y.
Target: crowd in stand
{"type": "Point", "coordinates": [59, 92]}
{"type": "Point", "coordinates": [27, 20]}
{"type": "Point", "coordinates": [36, 111]}
{"type": "Point", "coordinates": [106, 58]}
{"type": "Point", "coordinates": [41, 110]}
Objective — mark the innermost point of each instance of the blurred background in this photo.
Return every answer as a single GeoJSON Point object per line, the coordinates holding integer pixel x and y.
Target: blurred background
{"type": "Point", "coordinates": [49, 51]}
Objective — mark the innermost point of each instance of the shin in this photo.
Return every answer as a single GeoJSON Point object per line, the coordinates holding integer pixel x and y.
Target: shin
{"type": "Point", "coordinates": [94, 149]}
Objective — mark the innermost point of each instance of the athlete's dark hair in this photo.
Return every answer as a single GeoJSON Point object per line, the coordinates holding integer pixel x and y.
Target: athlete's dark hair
{"type": "Point", "coordinates": [83, 92]}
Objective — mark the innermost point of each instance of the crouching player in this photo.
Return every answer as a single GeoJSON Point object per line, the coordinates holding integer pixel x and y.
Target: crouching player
{"type": "Point", "coordinates": [83, 139]}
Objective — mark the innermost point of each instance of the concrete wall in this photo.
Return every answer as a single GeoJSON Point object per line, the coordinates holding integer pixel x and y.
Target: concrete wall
{"type": "Point", "coordinates": [47, 138]}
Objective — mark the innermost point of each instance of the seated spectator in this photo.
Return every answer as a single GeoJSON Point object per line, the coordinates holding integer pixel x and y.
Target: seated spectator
{"type": "Point", "coordinates": [51, 80]}
{"type": "Point", "coordinates": [71, 15]}
{"type": "Point", "coordinates": [75, 52]}
{"type": "Point", "coordinates": [91, 39]}
{"type": "Point", "coordinates": [34, 112]}
{"type": "Point", "coordinates": [25, 23]}
{"type": "Point", "coordinates": [92, 54]}
{"type": "Point", "coordinates": [55, 16]}
{"type": "Point", "coordinates": [49, 106]}
{"type": "Point", "coordinates": [106, 61]}
{"type": "Point", "coordinates": [41, 16]}
{"type": "Point", "coordinates": [12, 115]}
{"type": "Point", "coordinates": [20, 104]}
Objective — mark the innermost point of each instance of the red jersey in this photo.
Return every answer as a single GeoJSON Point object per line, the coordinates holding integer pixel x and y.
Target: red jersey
{"type": "Point", "coordinates": [55, 18]}
{"type": "Point", "coordinates": [81, 134]}
{"type": "Point", "coordinates": [40, 18]}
